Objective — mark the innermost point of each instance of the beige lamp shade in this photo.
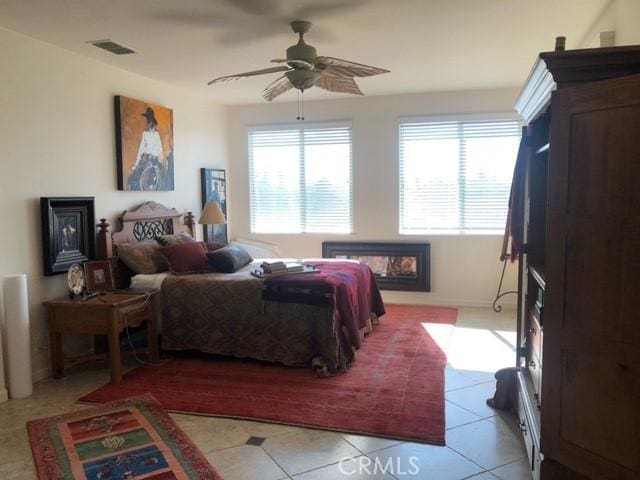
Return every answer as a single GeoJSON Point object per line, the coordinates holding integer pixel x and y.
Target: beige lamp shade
{"type": "Point", "coordinates": [212, 214]}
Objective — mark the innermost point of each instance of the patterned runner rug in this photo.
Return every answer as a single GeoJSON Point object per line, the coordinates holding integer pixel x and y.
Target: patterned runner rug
{"type": "Point", "coordinates": [131, 438]}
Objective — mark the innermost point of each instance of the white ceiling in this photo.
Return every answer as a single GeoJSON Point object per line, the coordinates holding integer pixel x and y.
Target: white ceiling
{"type": "Point", "coordinates": [429, 45]}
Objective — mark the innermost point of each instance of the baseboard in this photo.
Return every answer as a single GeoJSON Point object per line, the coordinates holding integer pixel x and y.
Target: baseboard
{"type": "Point", "coordinates": [4, 395]}
{"type": "Point", "coordinates": [41, 374]}
{"type": "Point", "coordinates": [407, 299]}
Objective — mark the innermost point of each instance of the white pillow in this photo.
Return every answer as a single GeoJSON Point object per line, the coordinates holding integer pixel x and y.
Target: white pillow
{"type": "Point", "coordinates": [258, 249]}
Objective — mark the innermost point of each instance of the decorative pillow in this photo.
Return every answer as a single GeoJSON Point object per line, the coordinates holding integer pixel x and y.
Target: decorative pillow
{"type": "Point", "coordinates": [142, 257]}
{"type": "Point", "coordinates": [213, 246]}
{"type": "Point", "coordinates": [168, 240]}
{"type": "Point", "coordinates": [185, 258]}
{"type": "Point", "coordinates": [229, 259]}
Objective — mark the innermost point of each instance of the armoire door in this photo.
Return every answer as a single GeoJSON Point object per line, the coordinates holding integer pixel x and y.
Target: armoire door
{"type": "Point", "coordinates": [591, 383]}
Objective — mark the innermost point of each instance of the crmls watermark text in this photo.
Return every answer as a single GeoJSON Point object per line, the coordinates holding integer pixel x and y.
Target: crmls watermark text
{"type": "Point", "coordinates": [368, 466]}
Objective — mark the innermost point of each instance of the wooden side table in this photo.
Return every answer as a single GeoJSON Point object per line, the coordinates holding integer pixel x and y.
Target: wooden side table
{"type": "Point", "coordinates": [107, 314]}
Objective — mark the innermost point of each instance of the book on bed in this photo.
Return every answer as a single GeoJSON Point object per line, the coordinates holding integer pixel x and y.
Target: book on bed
{"type": "Point", "coordinates": [289, 268]}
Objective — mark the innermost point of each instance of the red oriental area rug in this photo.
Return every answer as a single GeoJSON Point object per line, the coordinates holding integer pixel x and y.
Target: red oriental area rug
{"type": "Point", "coordinates": [395, 388]}
{"type": "Point", "coordinates": [131, 438]}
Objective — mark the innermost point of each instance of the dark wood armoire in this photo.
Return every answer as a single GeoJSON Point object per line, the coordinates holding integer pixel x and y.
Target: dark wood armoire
{"type": "Point", "coordinates": [579, 282]}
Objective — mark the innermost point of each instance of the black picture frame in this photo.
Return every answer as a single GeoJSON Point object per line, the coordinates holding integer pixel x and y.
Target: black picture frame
{"type": "Point", "coordinates": [68, 232]}
{"type": "Point", "coordinates": [420, 281]}
{"type": "Point", "coordinates": [213, 182]}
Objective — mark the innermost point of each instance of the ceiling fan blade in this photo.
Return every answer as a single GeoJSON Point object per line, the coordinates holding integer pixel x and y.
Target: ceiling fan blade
{"type": "Point", "coordinates": [346, 68]}
{"type": "Point", "coordinates": [318, 9]}
{"type": "Point", "coordinates": [249, 34]}
{"type": "Point", "coordinates": [256, 7]}
{"type": "Point", "coordinates": [339, 84]}
{"type": "Point", "coordinates": [299, 63]}
{"type": "Point", "coordinates": [203, 20]}
{"type": "Point", "coordinates": [239, 76]}
{"type": "Point", "coordinates": [277, 87]}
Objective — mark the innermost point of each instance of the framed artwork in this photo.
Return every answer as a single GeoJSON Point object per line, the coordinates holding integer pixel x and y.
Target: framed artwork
{"type": "Point", "coordinates": [68, 232]}
{"type": "Point", "coordinates": [214, 189]}
{"type": "Point", "coordinates": [144, 145]}
{"type": "Point", "coordinates": [98, 276]}
{"type": "Point", "coordinates": [396, 266]}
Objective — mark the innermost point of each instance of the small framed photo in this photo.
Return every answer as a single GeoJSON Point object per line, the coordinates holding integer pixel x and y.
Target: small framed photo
{"type": "Point", "coordinates": [68, 232]}
{"type": "Point", "coordinates": [98, 276]}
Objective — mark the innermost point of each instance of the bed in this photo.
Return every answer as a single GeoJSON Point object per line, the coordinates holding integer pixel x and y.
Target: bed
{"type": "Point", "coordinates": [239, 315]}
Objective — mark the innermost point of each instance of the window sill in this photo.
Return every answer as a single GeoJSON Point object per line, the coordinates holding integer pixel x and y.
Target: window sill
{"type": "Point", "coordinates": [303, 233]}
{"type": "Point", "coordinates": [455, 233]}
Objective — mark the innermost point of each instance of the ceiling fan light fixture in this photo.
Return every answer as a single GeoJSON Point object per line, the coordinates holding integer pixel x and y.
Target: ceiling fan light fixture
{"type": "Point", "coordinates": [303, 79]}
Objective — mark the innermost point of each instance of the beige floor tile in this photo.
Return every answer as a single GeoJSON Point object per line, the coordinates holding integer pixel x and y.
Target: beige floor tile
{"type": "Point", "coordinates": [369, 444]}
{"type": "Point", "coordinates": [483, 341]}
{"type": "Point", "coordinates": [265, 429]}
{"type": "Point", "coordinates": [212, 433]}
{"type": "Point", "coordinates": [455, 380]}
{"type": "Point", "coordinates": [426, 462]}
{"type": "Point", "coordinates": [24, 470]}
{"type": "Point", "coordinates": [489, 444]}
{"type": "Point", "coordinates": [486, 318]}
{"type": "Point", "coordinates": [477, 376]}
{"type": "Point", "coordinates": [360, 468]}
{"type": "Point", "coordinates": [483, 476]}
{"type": "Point", "coordinates": [304, 450]}
{"type": "Point", "coordinates": [520, 470]}
{"type": "Point", "coordinates": [456, 416]}
{"type": "Point", "coordinates": [245, 462]}
{"type": "Point", "coordinates": [14, 447]}
{"type": "Point", "coordinates": [474, 399]}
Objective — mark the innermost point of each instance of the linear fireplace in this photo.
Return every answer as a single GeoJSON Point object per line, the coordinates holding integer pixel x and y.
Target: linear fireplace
{"type": "Point", "coordinates": [397, 266]}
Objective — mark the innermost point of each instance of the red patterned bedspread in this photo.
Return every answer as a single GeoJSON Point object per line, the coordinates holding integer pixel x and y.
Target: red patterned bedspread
{"type": "Point", "coordinates": [349, 287]}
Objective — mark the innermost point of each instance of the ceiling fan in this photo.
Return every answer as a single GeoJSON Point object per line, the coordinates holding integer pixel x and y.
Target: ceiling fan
{"type": "Point", "coordinates": [304, 69]}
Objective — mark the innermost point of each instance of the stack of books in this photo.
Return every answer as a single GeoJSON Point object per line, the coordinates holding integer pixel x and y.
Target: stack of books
{"type": "Point", "coordinates": [274, 268]}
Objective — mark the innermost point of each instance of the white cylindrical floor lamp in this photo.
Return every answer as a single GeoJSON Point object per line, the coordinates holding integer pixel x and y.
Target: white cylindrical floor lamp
{"type": "Point", "coordinates": [4, 395]}
{"type": "Point", "coordinates": [18, 337]}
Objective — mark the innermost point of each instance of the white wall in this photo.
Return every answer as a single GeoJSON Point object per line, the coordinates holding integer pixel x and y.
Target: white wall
{"type": "Point", "coordinates": [619, 16]}
{"type": "Point", "coordinates": [57, 139]}
{"type": "Point", "coordinates": [464, 269]}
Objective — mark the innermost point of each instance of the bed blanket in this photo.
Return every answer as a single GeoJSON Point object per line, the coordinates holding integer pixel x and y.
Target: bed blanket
{"type": "Point", "coordinates": [223, 313]}
{"type": "Point", "coordinates": [348, 288]}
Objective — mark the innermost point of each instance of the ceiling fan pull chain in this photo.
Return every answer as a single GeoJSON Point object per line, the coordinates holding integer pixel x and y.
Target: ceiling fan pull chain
{"type": "Point", "coordinates": [300, 105]}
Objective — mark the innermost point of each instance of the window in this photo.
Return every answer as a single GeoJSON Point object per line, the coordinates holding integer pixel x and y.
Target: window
{"type": "Point", "coordinates": [455, 176]}
{"type": "Point", "coordinates": [300, 180]}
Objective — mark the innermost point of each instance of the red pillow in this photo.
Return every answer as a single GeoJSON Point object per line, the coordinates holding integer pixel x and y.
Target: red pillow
{"type": "Point", "coordinates": [213, 246]}
{"type": "Point", "coordinates": [185, 258]}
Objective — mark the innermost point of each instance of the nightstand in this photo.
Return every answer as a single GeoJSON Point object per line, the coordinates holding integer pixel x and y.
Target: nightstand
{"type": "Point", "coordinates": [108, 314]}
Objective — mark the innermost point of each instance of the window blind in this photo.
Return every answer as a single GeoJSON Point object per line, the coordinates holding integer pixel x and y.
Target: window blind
{"type": "Point", "coordinates": [455, 176]}
{"type": "Point", "coordinates": [300, 180]}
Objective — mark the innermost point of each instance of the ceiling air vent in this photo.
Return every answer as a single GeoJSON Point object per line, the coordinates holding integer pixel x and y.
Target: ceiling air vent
{"type": "Point", "coordinates": [112, 47]}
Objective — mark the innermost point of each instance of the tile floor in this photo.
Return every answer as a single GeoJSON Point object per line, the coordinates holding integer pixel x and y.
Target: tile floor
{"type": "Point", "coordinates": [481, 444]}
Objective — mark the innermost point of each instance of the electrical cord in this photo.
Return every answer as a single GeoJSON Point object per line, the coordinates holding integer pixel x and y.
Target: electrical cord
{"type": "Point", "coordinates": [130, 341]}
